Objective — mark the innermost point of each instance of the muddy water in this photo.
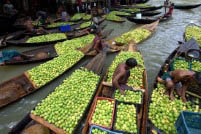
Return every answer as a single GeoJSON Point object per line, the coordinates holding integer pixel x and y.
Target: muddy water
{"type": "Point", "coordinates": [155, 51]}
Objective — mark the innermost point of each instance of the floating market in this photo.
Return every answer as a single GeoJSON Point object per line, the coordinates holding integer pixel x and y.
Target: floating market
{"type": "Point", "coordinates": [100, 67]}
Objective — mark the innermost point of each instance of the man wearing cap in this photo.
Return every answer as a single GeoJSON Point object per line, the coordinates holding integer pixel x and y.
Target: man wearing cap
{"type": "Point", "coordinates": [183, 78]}
{"type": "Point", "coordinates": [121, 75]}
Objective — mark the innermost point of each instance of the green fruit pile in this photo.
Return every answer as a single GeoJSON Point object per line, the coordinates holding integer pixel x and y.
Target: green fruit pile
{"type": "Point", "coordinates": [126, 118]}
{"type": "Point", "coordinates": [97, 131]}
{"type": "Point", "coordinates": [46, 72]}
{"type": "Point", "coordinates": [68, 56]}
{"type": "Point", "coordinates": [85, 24]}
{"type": "Point", "coordinates": [130, 96]}
{"type": "Point", "coordinates": [136, 74]}
{"type": "Point", "coordinates": [131, 10]}
{"type": "Point", "coordinates": [77, 16]}
{"type": "Point", "coordinates": [113, 17]}
{"type": "Point", "coordinates": [87, 17]}
{"type": "Point", "coordinates": [58, 24]}
{"type": "Point", "coordinates": [137, 35]}
{"type": "Point", "coordinates": [143, 5]}
{"type": "Point", "coordinates": [120, 13]}
{"type": "Point", "coordinates": [36, 23]}
{"type": "Point", "coordinates": [163, 112]}
{"type": "Point", "coordinates": [103, 113]}
{"type": "Point", "coordinates": [47, 38]}
{"type": "Point", "coordinates": [181, 64]}
{"type": "Point", "coordinates": [66, 105]}
{"type": "Point", "coordinates": [193, 32]}
{"type": "Point", "coordinates": [196, 66]}
{"type": "Point", "coordinates": [64, 47]}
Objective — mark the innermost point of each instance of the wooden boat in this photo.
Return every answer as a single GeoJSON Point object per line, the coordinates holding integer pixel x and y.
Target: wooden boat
{"type": "Point", "coordinates": [186, 6]}
{"type": "Point", "coordinates": [117, 47]}
{"type": "Point", "coordinates": [20, 40]}
{"type": "Point", "coordinates": [74, 25]}
{"type": "Point", "coordinates": [150, 8]}
{"type": "Point", "coordinates": [20, 86]}
{"type": "Point", "coordinates": [82, 32]}
{"type": "Point", "coordinates": [7, 37]}
{"type": "Point", "coordinates": [141, 1]}
{"type": "Point", "coordinates": [150, 13]}
{"type": "Point", "coordinates": [105, 91]}
{"type": "Point", "coordinates": [40, 54]}
{"type": "Point", "coordinates": [179, 51]}
{"type": "Point", "coordinates": [147, 20]}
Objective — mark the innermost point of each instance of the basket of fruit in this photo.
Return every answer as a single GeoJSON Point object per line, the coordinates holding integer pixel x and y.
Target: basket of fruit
{"type": "Point", "coordinates": [99, 130]}
{"type": "Point", "coordinates": [103, 113]}
{"type": "Point", "coordinates": [188, 123]}
{"type": "Point", "coordinates": [125, 118]}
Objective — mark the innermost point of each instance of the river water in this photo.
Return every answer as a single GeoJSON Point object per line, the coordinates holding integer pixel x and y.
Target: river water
{"type": "Point", "coordinates": [155, 51]}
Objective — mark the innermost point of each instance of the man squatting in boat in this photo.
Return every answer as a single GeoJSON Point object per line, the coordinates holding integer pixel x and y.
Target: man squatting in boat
{"type": "Point", "coordinates": [121, 75]}
{"type": "Point", "coordinates": [179, 80]}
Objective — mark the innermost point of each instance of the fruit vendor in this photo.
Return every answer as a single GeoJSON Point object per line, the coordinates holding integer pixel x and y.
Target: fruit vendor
{"type": "Point", "coordinates": [121, 75]}
{"type": "Point", "coordinates": [7, 55]}
{"type": "Point", "coordinates": [170, 11]}
{"type": "Point", "coordinates": [179, 80]}
{"type": "Point", "coordinates": [98, 44]}
{"type": "Point", "coordinates": [30, 27]}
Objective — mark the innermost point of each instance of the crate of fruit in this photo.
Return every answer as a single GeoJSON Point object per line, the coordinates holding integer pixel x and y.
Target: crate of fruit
{"type": "Point", "coordinates": [99, 130]}
{"type": "Point", "coordinates": [188, 123]}
{"type": "Point", "coordinates": [126, 118]}
{"type": "Point", "coordinates": [130, 97]}
{"type": "Point", "coordinates": [103, 112]}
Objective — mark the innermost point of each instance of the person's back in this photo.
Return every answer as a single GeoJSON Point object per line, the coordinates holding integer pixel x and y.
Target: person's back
{"type": "Point", "coordinates": [180, 75]}
{"type": "Point", "coordinates": [121, 68]}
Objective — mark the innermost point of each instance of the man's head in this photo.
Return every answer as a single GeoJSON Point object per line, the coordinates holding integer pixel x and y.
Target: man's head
{"type": "Point", "coordinates": [131, 63]}
{"type": "Point", "coordinates": [197, 77]}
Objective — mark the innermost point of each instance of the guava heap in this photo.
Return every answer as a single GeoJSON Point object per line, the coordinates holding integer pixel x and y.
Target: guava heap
{"type": "Point", "coordinates": [126, 118]}
{"type": "Point", "coordinates": [57, 24]}
{"type": "Point", "coordinates": [193, 32]}
{"type": "Point", "coordinates": [137, 35]}
{"type": "Point", "coordinates": [47, 38]}
{"type": "Point", "coordinates": [103, 113]}
{"type": "Point", "coordinates": [66, 105]}
{"type": "Point", "coordinates": [163, 112]}
{"type": "Point", "coordinates": [113, 17]}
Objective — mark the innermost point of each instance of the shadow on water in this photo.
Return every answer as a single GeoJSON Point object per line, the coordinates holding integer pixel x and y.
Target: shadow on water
{"type": "Point", "coordinates": [155, 51]}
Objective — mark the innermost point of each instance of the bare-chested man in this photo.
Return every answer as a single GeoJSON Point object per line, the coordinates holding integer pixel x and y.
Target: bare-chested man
{"type": "Point", "coordinates": [179, 76]}
{"type": "Point", "coordinates": [121, 75]}
{"type": "Point", "coordinates": [30, 27]}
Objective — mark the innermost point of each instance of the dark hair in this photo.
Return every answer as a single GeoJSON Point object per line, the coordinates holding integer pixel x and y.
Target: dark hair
{"type": "Point", "coordinates": [198, 77]}
{"type": "Point", "coordinates": [131, 62]}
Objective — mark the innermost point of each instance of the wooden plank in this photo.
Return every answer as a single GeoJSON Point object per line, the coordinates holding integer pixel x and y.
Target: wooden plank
{"type": "Point", "coordinates": [145, 105]}
{"type": "Point", "coordinates": [46, 124]}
